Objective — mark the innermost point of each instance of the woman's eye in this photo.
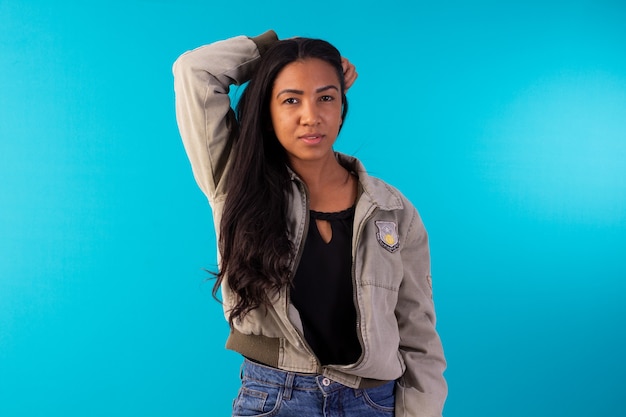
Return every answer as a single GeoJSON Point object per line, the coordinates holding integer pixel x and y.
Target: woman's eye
{"type": "Point", "coordinates": [290, 100]}
{"type": "Point", "coordinates": [327, 98]}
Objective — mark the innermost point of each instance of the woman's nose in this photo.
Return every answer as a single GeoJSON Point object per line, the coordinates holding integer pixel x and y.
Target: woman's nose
{"type": "Point", "coordinates": [310, 114]}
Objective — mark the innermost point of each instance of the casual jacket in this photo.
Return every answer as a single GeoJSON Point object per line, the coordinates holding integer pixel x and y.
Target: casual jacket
{"type": "Point", "coordinates": [391, 261]}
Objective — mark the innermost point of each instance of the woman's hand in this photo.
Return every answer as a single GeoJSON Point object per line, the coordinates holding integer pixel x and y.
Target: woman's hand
{"type": "Point", "coordinates": [349, 72]}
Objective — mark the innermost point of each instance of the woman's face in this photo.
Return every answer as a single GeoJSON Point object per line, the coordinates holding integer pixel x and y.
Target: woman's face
{"type": "Point", "coordinates": [305, 106]}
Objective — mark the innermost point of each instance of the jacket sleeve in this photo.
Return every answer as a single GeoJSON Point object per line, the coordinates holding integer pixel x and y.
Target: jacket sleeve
{"type": "Point", "coordinates": [202, 78]}
{"type": "Point", "coordinates": [422, 389]}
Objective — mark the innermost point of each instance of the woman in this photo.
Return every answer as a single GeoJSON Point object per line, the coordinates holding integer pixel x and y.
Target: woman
{"type": "Point", "coordinates": [324, 270]}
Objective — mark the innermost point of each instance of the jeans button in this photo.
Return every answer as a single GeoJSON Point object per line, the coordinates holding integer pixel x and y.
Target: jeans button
{"type": "Point", "coordinates": [326, 382]}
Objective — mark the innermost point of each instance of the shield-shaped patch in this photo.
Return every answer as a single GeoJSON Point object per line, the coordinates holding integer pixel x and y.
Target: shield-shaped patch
{"type": "Point", "coordinates": [387, 235]}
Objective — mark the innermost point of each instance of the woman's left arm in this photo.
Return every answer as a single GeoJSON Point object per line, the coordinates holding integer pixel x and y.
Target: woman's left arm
{"type": "Point", "coordinates": [422, 389]}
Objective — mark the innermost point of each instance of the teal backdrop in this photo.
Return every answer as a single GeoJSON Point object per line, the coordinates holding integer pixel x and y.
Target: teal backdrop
{"type": "Point", "coordinates": [504, 123]}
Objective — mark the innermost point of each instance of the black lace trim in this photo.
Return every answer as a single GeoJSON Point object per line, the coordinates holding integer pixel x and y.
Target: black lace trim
{"type": "Point", "coordinates": [338, 215]}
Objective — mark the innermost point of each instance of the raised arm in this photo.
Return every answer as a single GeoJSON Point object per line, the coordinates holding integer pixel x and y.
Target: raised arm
{"type": "Point", "coordinates": [202, 78]}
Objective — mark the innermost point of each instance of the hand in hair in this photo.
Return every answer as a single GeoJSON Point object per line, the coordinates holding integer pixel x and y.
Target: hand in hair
{"type": "Point", "coordinates": [349, 72]}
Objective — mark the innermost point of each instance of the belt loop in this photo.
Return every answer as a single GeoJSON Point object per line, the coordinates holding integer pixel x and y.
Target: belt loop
{"type": "Point", "coordinates": [288, 385]}
{"type": "Point", "coordinates": [243, 364]}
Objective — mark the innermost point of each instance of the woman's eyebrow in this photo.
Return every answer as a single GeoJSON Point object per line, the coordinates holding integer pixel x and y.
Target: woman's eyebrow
{"type": "Point", "coordinates": [328, 87]}
{"type": "Point", "coordinates": [290, 91]}
{"type": "Point", "coordinates": [300, 92]}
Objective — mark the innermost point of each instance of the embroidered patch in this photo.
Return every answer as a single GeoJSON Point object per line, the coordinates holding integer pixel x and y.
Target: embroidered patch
{"type": "Point", "coordinates": [387, 235]}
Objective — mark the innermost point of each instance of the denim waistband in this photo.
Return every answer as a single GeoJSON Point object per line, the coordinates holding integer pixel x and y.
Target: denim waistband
{"type": "Point", "coordinates": [291, 380]}
{"type": "Point", "coordinates": [268, 374]}
{"type": "Point", "coordinates": [280, 378]}
{"type": "Point", "coordinates": [311, 391]}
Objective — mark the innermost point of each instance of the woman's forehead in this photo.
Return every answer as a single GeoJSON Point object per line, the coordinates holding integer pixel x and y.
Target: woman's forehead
{"type": "Point", "coordinates": [308, 72]}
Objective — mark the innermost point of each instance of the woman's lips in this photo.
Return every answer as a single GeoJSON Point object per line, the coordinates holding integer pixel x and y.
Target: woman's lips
{"type": "Point", "coordinates": [311, 138]}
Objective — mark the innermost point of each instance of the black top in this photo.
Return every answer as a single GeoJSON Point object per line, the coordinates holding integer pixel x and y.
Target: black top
{"type": "Point", "coordinates": [323, 293]}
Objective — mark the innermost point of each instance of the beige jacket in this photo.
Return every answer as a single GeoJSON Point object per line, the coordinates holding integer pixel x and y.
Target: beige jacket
{"type": "Point", "coordinates": [391, 261]}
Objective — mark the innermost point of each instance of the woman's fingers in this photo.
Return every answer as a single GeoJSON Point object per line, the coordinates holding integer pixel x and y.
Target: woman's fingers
{"type": "Point", "coordinates": [349, 72]}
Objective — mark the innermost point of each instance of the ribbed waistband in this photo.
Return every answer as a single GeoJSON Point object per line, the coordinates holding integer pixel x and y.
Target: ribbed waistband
{"type": "Point", "coordinates": [263, 351]}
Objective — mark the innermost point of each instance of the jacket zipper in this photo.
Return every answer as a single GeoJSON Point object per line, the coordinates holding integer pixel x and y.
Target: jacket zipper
{"type": "Point", "coordinates": [300, 336]}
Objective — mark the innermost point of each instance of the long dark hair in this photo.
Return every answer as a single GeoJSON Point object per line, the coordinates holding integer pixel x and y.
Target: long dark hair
{"type": "Point", "coordinates": [255, 250]}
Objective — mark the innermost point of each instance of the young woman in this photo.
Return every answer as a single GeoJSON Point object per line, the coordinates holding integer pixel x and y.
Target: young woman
{"type": "Point", "coordinates": [324, 270]}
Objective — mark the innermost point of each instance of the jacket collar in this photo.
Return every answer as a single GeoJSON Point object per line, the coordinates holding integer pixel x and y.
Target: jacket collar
{"type": "Point", "coordinates": [378, 192]}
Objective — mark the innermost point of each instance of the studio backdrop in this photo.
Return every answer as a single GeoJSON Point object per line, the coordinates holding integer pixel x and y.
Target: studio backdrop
{"type": "Point", "coordinates": [503, 122]}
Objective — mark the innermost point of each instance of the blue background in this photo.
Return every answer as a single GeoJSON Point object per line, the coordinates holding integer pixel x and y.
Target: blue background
{"type": "Point", "coordinates": [505, 124]}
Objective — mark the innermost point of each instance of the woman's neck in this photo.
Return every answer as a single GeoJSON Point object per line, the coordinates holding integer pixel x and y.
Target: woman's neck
{"type": "Point", "coordinates": [331, 187]}
{"type": "Point", "coordinates": [317, 174]}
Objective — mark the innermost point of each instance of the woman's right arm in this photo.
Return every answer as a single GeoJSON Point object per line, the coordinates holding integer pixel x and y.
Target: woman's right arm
{"type": "Point", "coordinates": [202, 78]}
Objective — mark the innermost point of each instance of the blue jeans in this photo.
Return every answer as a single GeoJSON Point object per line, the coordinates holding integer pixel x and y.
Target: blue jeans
{"type": "Point", "coordinates": [267, 391]}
